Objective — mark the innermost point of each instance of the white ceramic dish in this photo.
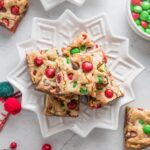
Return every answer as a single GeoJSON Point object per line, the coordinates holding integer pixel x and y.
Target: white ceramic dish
{"type": "Point", "coordinates": [133, 24]}
{"type": "Point", "coordinates": [57, 33]}
{"type": "Point", "coordinates": [49, 4]}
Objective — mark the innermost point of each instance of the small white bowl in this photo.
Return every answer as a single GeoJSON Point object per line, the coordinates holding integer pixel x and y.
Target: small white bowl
{"type": "Point", "coordinates": [133, 24]}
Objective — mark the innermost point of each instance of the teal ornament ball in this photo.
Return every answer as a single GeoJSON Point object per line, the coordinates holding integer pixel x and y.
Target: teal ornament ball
{"type": "Point", "coordinates": [6, 89]}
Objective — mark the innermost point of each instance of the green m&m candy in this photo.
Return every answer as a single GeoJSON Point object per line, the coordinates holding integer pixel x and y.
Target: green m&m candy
{"type": "Point", "coordinates": [147, 31]}
{"type": "Point", "coordinates": [141, 28]}
{"type": "Point", "coordinates": [144, 15]}
{"type": "Point", "coordinates": [132, 7]}
{"type": "Point", "coordinates": [68, 60]}
{"type": "Point", "coordinates": [141, 122]}
{"type": "Point", "coordinates": [75, 84]}
{"type": "Point", "coordinates": [145, 5]}
{"type": "Point", "coordinates": [74, 50]}
{"type": "Point", "coordinates": [83, 91]}
{"type": "Point", "coordinates": [137, 9]}
{"type": "Point", "coordinates": [137, 22]}
{"type": "Point", "coordinates": [146, 129]}
{"type": "Point", "coordinates": [83, 48]}
{"type": "Point", "coordinates": [100, 80]}
{"type": "Point", "coordinates": [148, 19]}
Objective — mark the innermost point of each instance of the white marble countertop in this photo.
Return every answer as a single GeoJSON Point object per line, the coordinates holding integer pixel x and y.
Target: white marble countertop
{"type": "Point", "coordinates": [24, 128]}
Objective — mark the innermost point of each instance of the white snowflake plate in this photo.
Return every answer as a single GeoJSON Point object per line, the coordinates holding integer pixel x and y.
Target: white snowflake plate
{"type": "Point", "coordinates": [58, 33]}
{"type": "Point", "coordinates": [49, 4]}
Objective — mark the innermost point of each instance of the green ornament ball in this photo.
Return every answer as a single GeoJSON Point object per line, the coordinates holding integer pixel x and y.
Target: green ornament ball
{"type": "Point", "coordinates": [6, 89]}
{"type": "Point", "coordinates": [146, 129]}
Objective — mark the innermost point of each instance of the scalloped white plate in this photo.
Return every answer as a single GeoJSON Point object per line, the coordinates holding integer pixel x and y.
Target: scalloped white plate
{"type": "Point", "coordinates": [49, 4]}
{"type": "Point", "coordinates": [58, 33]}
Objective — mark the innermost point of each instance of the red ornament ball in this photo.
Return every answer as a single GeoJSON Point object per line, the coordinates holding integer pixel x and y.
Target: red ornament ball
{"type": "Point", "coordinates": [15, 10]}
{"type": "Point", "coordinates": [50, 72]}
{"type": "Point", "coordinates": [109, 93]}
{"type": "Point", "coordinates": [13, 145]}
{"type": "Point", "coordinates": [135, 15]}
{"type": "Point", "coordinates": [87, 67]}
{"type": "Point", "coordinates": [46, 147]}
{"type": "Point", "coordinates": [12, 105]}
{"type": "Point", "coordinates": [136, 2]}
{"type": "Point", "coordinates": [38, 61]}
{"type": "Point", "coordinates": [144, 24]}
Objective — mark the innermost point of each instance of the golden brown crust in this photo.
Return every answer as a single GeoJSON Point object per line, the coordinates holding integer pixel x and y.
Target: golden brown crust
{"type": "Point", "coordinates": [134, 135]}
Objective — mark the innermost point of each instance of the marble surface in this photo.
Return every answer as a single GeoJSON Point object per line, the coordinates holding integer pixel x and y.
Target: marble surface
{"type": "Point", "coordinates": [24, 128]}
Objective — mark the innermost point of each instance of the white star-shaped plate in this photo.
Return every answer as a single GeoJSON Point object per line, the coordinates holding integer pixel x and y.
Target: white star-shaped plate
{"type": "Point", "coordinates": [49, 4]}
{"type": "Point", "coordinates": [58, 33]}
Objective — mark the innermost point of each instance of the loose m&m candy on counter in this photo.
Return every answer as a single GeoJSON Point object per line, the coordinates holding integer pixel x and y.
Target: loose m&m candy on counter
{"type": "Point", "coordinates": [140, 10]}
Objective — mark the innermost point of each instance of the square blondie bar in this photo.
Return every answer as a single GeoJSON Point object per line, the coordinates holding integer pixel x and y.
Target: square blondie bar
{"type": "Point", "coordinates": [137, 128]}
{"type": "Point", "coordinates": [65, 105]}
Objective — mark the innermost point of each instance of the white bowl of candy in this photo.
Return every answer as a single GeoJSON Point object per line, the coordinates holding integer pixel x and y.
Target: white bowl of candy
{"type": "Point", "coordinates": [139, 17]}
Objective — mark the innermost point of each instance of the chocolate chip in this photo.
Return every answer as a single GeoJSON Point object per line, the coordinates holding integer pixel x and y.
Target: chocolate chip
{"type": "Point", "coordinates": [75, 65]}
{"type": "Point", "coordinates": [3, 9]}
{"type": "Point", "coordinates": [99, 86]}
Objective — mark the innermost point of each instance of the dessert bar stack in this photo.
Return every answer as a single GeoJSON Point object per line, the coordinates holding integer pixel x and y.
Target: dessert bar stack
{"type": "Point", "coordinates": [81, 70]}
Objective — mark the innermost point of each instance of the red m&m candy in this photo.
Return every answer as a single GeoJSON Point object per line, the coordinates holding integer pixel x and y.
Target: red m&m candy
{"type": "Point", "coordinates": [58, 78]}
{"type": "Point", "coordinates": [46, 147]}
{"type": "Point", "coordinates": [1, 4]}
{"type": "Point", "coordinates": [87, 67]}
{"type": "Point", "coordinates": [13, 145]}
{"type": "Point", "coordinates": [135, 15]}
{"type": "Point", "coordinates": [38, 61]}
{"type": "Point", "coordinates": [109, 93]}
{"type": "Point", "coordinates": [136, 2]}
{"type": "Point", "coordinates": [70, 76]}
{"type": "Point", "coordinates": [84, 36]}
{"type": "Point", "coordinates": [5, 22]}
{"type": "Point", "coordinates": [50, 72]}
{"type": "Point", "coordinates": [15, 10]}
{"type": "Point", "coordinates": [105, 58]}
{"type": "Point", "coordinates": [144, 24]}
{"type": "Point", "coordinates": [72, 104]}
